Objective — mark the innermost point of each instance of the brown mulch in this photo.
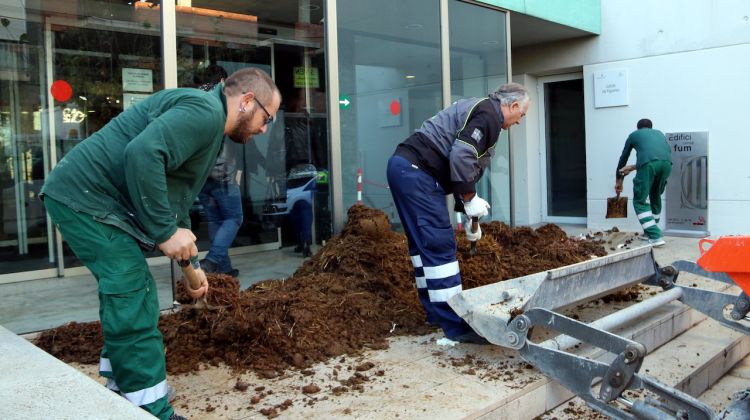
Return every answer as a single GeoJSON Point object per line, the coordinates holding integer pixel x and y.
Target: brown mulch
{"type": "Point", "coordinates": [357, 291]}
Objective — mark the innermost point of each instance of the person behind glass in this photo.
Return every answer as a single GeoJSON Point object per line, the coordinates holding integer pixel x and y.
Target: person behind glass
{"type": "Point", "coordinates": [290, 161]}
{"type": "Point", "coordinates": [128, 189]}
{"type": "Point", "coordinates": [448, 155]}
{"type": "Point", "coordinates": [653, 166]}
{"type": "Point", "coordinates": [220, 196]}
{"type": "Point", "coordinates": [299, 166]}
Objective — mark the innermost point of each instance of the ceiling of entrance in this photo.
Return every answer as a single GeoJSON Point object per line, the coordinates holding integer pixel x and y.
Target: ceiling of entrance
{"type": "Point", "coordinates": [286, 13]}
{"type": "Point", "coordinates": [527, 30]}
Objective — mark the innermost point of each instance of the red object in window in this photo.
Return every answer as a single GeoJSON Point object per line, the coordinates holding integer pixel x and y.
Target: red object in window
{"type": "Point", "coordinates": [61, 90]}
{"type": "Point", "coordinates": [395, 107]}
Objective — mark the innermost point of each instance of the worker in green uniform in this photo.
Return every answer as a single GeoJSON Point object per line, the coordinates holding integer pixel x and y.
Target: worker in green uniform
{"type": "Point", "coordinates": [653, 166]}
{"type": "Point", "coordinates": [128, 189]}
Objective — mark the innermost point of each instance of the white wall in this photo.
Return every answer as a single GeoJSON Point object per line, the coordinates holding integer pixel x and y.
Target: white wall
{"type": "Point", "coordinates": [642, 28]}
{"type": "Point", "coordinates": [704, 90]}
{"type": "Point", "coordinates": [688, 64]}
{"type": "Point", "coordinates": [525, 152]}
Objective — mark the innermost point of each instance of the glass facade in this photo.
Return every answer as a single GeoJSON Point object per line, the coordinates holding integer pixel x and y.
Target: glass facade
{"type": "Point", "coordinates": [68, 68]}
{"type": "Point", "coordinates": [391, 81]}
{"type": "Point", "coordinates": [282, 172]}
{"type": "Point", "coordinates": [390, 73]}
{"type": "Point", "coordinates": [479, 64]}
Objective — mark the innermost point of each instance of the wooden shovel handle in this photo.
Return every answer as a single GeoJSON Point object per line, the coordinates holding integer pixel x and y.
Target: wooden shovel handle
{"type": "Point", "coordinates": [196, 288]}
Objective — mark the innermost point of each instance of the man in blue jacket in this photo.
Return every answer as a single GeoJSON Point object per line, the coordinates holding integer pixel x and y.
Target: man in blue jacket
{"type": "Point", "coordinates": [448, 155]}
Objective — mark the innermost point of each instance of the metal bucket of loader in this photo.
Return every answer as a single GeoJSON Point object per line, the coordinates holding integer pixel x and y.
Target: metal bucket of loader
{"type": "Point", "coordinates": [488, 309]}
{"type": "Point", "coordinates": [728, 254]}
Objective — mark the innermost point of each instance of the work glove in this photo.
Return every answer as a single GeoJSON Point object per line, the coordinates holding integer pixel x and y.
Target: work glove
{"type": "Point", "coordinates": [472, 236]}
{"type": "Point", "coordinates": [476, 207]}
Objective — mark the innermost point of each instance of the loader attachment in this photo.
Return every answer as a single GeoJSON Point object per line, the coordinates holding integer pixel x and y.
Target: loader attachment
{"type": "Point", "coordinates": [506, 311]}
{"type": "Point", "coordinates": [488, 309]}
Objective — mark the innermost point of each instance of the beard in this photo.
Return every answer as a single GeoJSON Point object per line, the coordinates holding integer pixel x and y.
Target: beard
{"type": "Point", "coordinates": [242, 132]}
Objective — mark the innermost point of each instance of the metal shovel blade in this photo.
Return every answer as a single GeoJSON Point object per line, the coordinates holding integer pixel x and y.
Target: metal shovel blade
{"type": "Point", "coordinates": [202, 303]}
{"type": "Point", "coordinates": [617, 207]}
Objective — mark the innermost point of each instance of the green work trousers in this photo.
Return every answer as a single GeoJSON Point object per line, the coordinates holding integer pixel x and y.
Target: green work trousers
{"type": "Point", "coordinates": [133, 354]}
{"type": "Point", "coordinates": [648, 186]}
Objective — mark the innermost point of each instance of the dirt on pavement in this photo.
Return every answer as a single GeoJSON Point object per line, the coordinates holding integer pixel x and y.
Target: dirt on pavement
{"type": "Point", "coordinates": [357, 291]}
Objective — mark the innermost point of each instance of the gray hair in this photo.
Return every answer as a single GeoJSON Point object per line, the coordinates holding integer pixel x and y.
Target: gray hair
{"type": "Point", "coordinates": [509, 93]}
{"type": "Point", "coordinates": [251, 80]}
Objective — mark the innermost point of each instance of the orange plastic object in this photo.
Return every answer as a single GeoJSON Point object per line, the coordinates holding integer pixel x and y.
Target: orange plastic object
{"type": "Point", "coordinates": [728, 254]}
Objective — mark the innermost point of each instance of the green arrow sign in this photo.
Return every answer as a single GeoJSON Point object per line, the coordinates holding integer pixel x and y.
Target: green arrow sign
{"type": "Point", "coordinates": [344, 102]}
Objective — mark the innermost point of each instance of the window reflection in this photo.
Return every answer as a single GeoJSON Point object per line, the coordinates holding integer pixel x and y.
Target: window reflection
{"type": "Point", "coordinates": [285, 39]}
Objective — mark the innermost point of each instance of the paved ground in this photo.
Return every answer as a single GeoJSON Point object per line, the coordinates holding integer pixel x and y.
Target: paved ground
{"type": "Point", "coordinates": [414, 378]}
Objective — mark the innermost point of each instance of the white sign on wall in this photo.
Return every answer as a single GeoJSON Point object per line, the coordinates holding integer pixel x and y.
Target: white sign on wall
{"type": "Point", "coordinates": [137, 80]}
{"type": "Point", "coordinates": [687, 188]}
{"type": "Point", "coordinates": [130, 99]}
{"type": "Point", "coordinates": [610, 88]}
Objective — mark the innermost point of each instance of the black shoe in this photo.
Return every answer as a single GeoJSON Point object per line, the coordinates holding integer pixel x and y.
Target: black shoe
{"type": "Point", "coordinates": [233, 272]}
{"type": "Point", "coordinates": [300, 247]}
{"type": "Point", "coordinates": [175, 416]}
{"type": "Point", "coordinates": [306, 252]}
{"type": "Point", "coordinates": [471, 338]}
{"type": "Point", "coordinates": [208, 266]}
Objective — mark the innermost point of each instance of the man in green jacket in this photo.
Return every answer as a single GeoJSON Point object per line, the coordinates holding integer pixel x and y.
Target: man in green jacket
{"type": "Point", "coordinates": [654, 164]}
{"type": "Point", "coordinates": [128, 189]}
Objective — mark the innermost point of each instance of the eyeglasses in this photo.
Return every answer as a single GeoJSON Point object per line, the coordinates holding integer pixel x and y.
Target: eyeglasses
{"type": "Point", "coordinates": [269, 117]}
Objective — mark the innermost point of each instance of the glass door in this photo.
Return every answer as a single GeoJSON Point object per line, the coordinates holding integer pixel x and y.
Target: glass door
{"type": "Point", "coordinates": [25, 242]}
{"type": "Point", "coordinates": [478, 62]}
{"type": "Point", "coordinates": [565, 149]}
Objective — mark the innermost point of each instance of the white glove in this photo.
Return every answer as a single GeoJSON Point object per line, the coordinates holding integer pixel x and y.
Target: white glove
{"type": "Point", "coordinates": [476, 207]}
{"type": "Point", "coordinates": [472, 236]}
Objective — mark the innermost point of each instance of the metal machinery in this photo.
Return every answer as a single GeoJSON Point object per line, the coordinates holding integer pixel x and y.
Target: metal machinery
{"type": "Point", "coordinates": [493, 311]}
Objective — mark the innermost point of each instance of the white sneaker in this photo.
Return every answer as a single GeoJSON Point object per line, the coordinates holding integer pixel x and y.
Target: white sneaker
{"type": "Point", "coordinates": [657, 242]}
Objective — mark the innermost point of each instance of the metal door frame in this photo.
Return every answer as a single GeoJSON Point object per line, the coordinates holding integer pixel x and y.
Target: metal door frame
{"type": "Point", "coordinates": [543, 164]}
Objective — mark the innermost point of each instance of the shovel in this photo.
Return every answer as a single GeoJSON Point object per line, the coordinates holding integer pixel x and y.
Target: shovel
{"type": "Point", "coordinates": [617, 207]}
{"type": "Point", "coordinates": [473, 244]}
{"type": "Point", "coordinates": [193, 282]}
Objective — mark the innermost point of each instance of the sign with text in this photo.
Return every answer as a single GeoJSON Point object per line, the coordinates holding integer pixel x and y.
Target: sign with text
{"type": "Point", "coordinates": [137, 80]}
{"type": "Point", "coordinates": [130, 99]}
{"type": "Point", "coordinates": [687, 186]}
{"type": "Point", "coordinates": [610, 88]}
{"type": "Point", "coordinates": [306, 77]}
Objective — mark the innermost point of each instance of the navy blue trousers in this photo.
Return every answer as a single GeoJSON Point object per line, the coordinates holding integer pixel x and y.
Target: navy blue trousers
{"type": "Point", "coordinates": [420, 202]}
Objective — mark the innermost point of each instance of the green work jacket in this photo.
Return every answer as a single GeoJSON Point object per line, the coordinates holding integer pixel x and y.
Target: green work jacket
{"type": "Point", "coordinates": [649, 144]}
{"type": "Point", "coordinates": [142, 171]}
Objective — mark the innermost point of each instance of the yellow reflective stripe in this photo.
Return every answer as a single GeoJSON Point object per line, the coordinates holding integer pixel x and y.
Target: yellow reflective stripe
{"type": "Point", "coordinates": [486, 151]}
{"type": "Point", "coordinates": [470, 145]}
{"type": "Point", "coordinates": [466, 121]}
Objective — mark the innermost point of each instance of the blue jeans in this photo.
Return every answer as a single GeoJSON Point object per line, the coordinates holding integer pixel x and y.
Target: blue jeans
{"type": "Point", "coordinates": [301, 215]}
{"type": "Point", "coordinates": [223, 206]}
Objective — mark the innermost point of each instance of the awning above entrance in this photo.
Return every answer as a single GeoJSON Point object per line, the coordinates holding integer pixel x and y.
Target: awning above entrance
{"type": "Point", "coordinates": [535, 22]}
